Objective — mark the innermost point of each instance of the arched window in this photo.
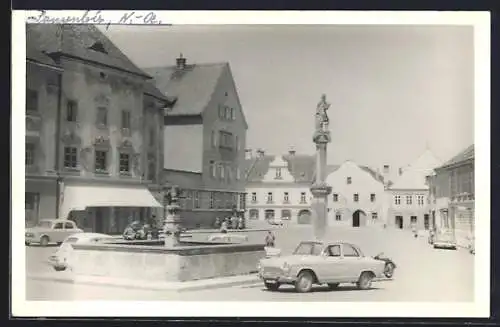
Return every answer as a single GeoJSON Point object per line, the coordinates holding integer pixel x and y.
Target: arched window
{"type": "Point", "coordinates": [304, 217]}
{"type": "Point", "coordinates": [269, 214]}
{"type": "Point", "coordinates": [286, 214]}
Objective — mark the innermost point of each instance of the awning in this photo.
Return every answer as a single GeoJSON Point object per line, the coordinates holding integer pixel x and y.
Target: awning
{"type": "Point", "coordinates": [82, 196]}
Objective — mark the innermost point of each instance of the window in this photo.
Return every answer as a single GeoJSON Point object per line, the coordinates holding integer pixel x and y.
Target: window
{"type": "Point", "coordinates": [356, 197]}
{"type": "Point", "coordinates": [397, 199]}
{"type": "Point", "coordinates": [31, 100]}
{"type": "Point", "coordinates": [221, 112]}
{"type": "Point", "coordinates": [286, 214]}
{"type": "Point", "coordinates": [125, 119]}
{"type": "Point", "coordinates": [349, 180]}
{"type": "Point", "coordinates": [278, 173]}
{"type": "Point", "coordinates": [213, 169]}
{"type": "Point", "coordinates": [101, 161]}
{"type": "Point", "coordinates": [99, 47]}
{"type": "Point", "coordinates": [408, 199]}
{"type": "Point", "coordinates": [152, 136]}
{"type": "Point", "coordinates": [349, 251]}
{"type": "Point", "coordinates": [69, 225]}
{"type": "Point", "coordinates": [333, 251]}
{"type": "Point", "coordinates": [71, 111]}
{"type": "Point", "coordinates": [70, 157]}
{"type": "Point", "coordinates": [225, 140]}
{"type": "Point", "coordinates": [196, 199]}
{"type": "Point", "coordinates": [222, 171]}
{"type": "Point", "coordinates": [338, 216]}
{"type": "Point", "coordinates": [420, 200]}
{"type": "Point", "coordinates": [254, 214]}
{"type": "Point", "coordinates": [102, 116]}
{"type": "Point", "coordinates": [302, 197]}
{"type": "Point", "coordinates": [124, 163]}
{"type": "Point", "coordinates": [236, 143]}
{"type": "Point", "coordinates": [213, 139]}
{"type": "Point", "coordinates": [238, 173]}
{"type": "Point", "coordinates": [254, 197]}
{"type": "Point", "coordinates": [372, 197]}
{"type": "Point", "coordinates": [58, 226]}
{"type": "Point", "coordinates": [270, 197]}
{"type": "Point", "coordinates": [227, 116]}
{"type": "Point", "coordinates": [285, 197]}
{"type": "Point", "coordinates": [212, 200]}
{"type": "Point", "coordinates": [233, 115]}
{"type": "Point", "coordinates": [30, 154]}
{"type": "Point", "coordinates": [374, 215]}
{"type": "Point", "coordinates": [335, 197]}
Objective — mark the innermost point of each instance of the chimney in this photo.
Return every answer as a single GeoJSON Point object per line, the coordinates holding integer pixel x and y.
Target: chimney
{"type": "Point", "coordinates": [248, 153]}
{"type": "Point", "coordinates": [180, 62]}
{"type": "Point", "coordinates": [291, 151]}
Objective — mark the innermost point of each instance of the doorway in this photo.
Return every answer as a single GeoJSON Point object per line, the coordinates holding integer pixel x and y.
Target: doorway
{"type": "Point", "coordinates": [356, 218]}
{"type": "Point", "coordinates": [399, 222]}
{"type": "Point", "coordinates": [426, 221]}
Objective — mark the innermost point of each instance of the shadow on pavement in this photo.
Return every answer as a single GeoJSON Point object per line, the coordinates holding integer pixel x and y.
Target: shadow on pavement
{"type": "Point", "coordinates": [321, 289]}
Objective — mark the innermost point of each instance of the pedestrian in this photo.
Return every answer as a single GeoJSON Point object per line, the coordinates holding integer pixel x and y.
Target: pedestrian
{"type": "Point", "coordinates": [270, 239]}
{"type": "Point", "coordinates": [223, 227]}
{"type": "Point", "coordinates": [414, 230]}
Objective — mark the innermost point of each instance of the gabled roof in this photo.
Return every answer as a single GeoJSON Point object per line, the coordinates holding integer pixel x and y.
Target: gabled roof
{"type": "Point", "coordinates": [85, 42]}
{"type": "Point", "coordinates": [193, 86]}
{"type": "Point", "coordinates": [414, 175]}
{"type": "Point", "coordinates": [152, 90]}
{"type": "Point", "coordinates": [39, 57]}
{"type": "Point", "coordinates": [301, 167]}
{"type": "Point", "coordinates": [465, 155]}
{"type": "Point", "coordinates": [331, 168]}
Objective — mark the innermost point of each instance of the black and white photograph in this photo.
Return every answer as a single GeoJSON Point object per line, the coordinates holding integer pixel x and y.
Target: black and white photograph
{"type": "Point", "coordinates": [273, 165]}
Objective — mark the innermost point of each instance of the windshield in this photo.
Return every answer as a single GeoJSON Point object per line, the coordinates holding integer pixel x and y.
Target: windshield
{"type": "Point", "coordinates": [45, 224]}
{"type": "Point", "coordinates": [309, 249]}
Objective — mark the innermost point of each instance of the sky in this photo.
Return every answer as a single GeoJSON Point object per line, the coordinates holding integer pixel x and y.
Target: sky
{"type": "Point", "coordinates": [394, 90]}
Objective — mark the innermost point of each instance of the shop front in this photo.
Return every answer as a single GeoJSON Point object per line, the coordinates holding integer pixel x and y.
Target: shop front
{"type": "Point", "coordinates": [104, 208]}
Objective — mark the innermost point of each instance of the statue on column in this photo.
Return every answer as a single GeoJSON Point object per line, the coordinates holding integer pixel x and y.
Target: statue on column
{"type": "Point", "coordinates": [322, 119]}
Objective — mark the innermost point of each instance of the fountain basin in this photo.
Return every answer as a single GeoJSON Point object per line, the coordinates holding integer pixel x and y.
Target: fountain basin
{"type": "Point", "coordinates": [152, 261]}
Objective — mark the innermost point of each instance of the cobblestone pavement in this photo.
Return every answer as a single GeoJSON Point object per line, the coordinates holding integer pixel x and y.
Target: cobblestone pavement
{"type": "Point", "coordinates": [423, 274]}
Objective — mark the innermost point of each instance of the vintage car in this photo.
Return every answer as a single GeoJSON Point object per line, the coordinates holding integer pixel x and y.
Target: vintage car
{"type": "Point", "coordinates": [315, 262]}
{"type": "Point", "coordinates": [50, 231]}
{"type": "Point", "coordinates": [445, 238]}
{"type": "Point", "coordinates": [61, 259]}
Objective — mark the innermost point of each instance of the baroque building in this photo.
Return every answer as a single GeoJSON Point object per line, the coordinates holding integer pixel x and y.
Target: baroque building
{"type": "Point", "coordinates": [204, 139]}
{"type": "Point", "coordinates": [98, 144]}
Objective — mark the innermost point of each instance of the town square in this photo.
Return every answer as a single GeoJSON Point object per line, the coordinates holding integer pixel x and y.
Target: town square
{"type": "Point", "coordinates": [250, 163]}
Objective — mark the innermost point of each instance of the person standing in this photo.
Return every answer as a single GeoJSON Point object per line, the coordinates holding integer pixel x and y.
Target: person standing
{"type": "Point", "coordinates": [270, 238]}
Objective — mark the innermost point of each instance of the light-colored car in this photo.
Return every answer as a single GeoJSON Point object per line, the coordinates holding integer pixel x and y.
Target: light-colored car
{"type": "Point", "coordinates": [315, 262]}
{"type": "Point", "coordinates": [228, 238]}
{"type": "Point", "coordinates": [50, 231]}
{"type": "Point", "coordinates": [445, 238]}
{"type": "Point", "coordinates": [61, 259]}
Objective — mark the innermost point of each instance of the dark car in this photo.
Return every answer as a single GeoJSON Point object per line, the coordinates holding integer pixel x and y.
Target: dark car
{"type": "Point", "coordinates": [140, 231]}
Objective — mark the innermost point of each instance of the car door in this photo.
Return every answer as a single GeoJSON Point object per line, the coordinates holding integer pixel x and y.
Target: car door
{"type": "Point", "coordinates": [352, 262]}
{"type": "Point", "coordinates": [57, 233]}
{"type": "Point", "coordinates": [69, 228]}
{"type": "Point", "coordinates": [331, 270]}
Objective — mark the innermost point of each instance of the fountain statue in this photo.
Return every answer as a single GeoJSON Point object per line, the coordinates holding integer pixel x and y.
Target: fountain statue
{"type": "Point", "coordinates": [172, 220]}
{"type": "Point", "coordinates": [320, 190]}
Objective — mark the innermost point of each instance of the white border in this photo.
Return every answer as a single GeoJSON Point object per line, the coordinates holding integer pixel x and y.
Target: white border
{"type": "Point", "coordinates": [479, 308]}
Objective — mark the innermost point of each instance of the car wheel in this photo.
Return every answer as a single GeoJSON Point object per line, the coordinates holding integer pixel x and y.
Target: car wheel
{"type": "Point", "coordinates": [272, 286]}
{"type": "Point", "coordinates": [333, 286]}
{"type": "Point", "coordinates": [304, 282]}
{"type": "Point", "coordinates": [389, 270]}
{"type": "Point", "coordinates": [44, 241]}
{"type": "Point", "coordinates": [27, 243]}
{"type": "Point", "coordinates": [365, 280]}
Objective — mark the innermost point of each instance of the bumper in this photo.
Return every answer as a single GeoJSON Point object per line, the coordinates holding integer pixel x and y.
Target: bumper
{"type": "Point", "coordinates": [30, 240]}
{"type": "Point", "coordinates": [273, 278]}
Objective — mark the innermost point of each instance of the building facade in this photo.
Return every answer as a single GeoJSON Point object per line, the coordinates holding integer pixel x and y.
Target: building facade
{"type": "Point", "coordinates": [357, 197]}
{"type": "Point", "coordinates": [279, 187]}
{"type": "Point", "coordinates": [408, 195]}
{"type": "Point", "coordinates": [102, 114]}
{"type": "Point", "coordinates": [451, 196]}
{"type": "Point", "coordinates": [204, 140]}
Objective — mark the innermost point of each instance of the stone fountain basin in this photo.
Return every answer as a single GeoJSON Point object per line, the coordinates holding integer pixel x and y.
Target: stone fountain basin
{"type": "Point", "coordinates": [152, 261]}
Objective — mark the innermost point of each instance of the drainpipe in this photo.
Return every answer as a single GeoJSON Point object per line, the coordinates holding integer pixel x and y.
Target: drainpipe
{"type": "Point", "coordinates": [58, 136]}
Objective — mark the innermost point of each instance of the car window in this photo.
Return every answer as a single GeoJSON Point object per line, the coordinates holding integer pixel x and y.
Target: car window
{"type": "Point", "coordinates": [333, 251]}
{"type": "Point", "coordinates": [69, 225]}
{"type": "Point", "coordinates": [308, 249]}
{"type": "Point", "coordinates": [58, 225]}
{"type": "Point", "coordinates": [349, 251]}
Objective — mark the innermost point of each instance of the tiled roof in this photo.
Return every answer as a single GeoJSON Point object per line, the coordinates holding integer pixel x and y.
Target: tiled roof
{"type": "Point", "coordinates": [38, 56]}
{"type": "Point", "coordinates": [377, 176]}
{"type": "Point", "coordinates": [193, 86]}
{"type": "Point", "coordinates": [414, 175]}
{"type": "Point", "coordinates": [76, 41]}
{"type": "Point", "coordinates": [150, 89]}
{"type": "Point", "coordinates": [467, 154]}
{"type": "Point", "coordinates": [300, 166]}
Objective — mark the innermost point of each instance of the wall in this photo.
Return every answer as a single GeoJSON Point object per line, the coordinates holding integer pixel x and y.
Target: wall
{"type": "Point", "coordinates": [364, 185]}
{"type": "Point", "coordinates": [47, 192]}
{"type": "Point", "coordinates": [183, 146]}
{"type": "Point", "coordinates": [233, 158]}
{"type": "Point", "coordinates": [153, 138]}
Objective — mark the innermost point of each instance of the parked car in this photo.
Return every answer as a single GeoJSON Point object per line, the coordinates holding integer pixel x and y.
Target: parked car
{"type": "Point", "coordinates": [140, 231]}
{"type": "Point", "coordinates": [50, 231]}
{"type": "Point", "coordinates": [315, 262]}
{"type": "Point", "coordinates": [389, 264]}
{"type": "Point", "coordinates": [445, 239]}
{"type": "Point", "coordinates": [227, 238]}
{"type": "Point", "coordinates": [275, 221]}
{"type": "Point", "coordinates": [61, 259]}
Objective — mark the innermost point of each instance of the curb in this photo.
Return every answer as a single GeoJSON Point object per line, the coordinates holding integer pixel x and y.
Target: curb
{"type": "Point", "coordinates": [174, 286]}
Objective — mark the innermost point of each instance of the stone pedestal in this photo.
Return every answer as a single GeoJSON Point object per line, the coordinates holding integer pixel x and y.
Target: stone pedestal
{"type": "Point", "coordinates": [319, 208]}
{"type": "Point", "coordinates": [172, 226]}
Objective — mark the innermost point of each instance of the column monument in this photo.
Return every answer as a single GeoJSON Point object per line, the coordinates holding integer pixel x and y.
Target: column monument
{"type": "Point", "coordinates": [320, 190]}
{"type": "Point", "coordinates": [172, 220]}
